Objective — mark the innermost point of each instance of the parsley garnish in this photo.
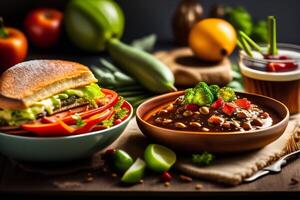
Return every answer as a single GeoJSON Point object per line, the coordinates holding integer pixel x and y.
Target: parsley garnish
{"type": "Point", "coordinates": [79, 121]}
{"type": "Point", "coordinates": [121, 113]}
{"type": "Point", "coordinates": [203, 159]}
{"type": "Point", "coordinates": [109, 122]}
{"type": "Point", "coordinates": [120, 102]}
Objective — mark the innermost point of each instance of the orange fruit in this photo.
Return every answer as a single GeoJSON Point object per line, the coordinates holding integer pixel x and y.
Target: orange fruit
{"type": "Point", "coordinates": [212, 39]}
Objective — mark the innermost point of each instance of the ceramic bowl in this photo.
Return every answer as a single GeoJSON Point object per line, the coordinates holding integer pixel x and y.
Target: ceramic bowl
{"type": "Point", "coordinates": [215, 142]}
{"type": "Point", "coordinates": [56, 149]}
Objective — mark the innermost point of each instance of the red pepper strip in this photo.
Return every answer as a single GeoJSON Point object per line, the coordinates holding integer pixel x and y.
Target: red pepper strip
{"type": "Point", "coordinates": [92, 122]}
{"type": "Point", "coordinates": [126, 105]}
{"type": "Point", "coordinates": [60, 128]}
{"type": "Point", "coordinates": [68, 115]}
{"type": "Point", "coordinates": [116, 122]}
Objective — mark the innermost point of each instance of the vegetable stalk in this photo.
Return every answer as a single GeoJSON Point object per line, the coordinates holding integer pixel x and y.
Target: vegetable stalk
{"type": "Point", "coordinates": [246, 46]}
{"type": "Point", "coordinates": [272, 36]}
{"type": "Point", "coordinates": [3, 32]}
{"type": "Point", "coordinates": [250, 41]}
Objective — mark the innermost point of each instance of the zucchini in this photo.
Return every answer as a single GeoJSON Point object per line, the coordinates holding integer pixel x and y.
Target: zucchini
{"type": "Point", "coordinates": [142, 66]}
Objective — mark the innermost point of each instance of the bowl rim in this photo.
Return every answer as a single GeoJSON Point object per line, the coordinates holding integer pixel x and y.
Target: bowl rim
{"type": "Point", "coordinates": [72, 136]}
{"type": "Point", "coordinates": [280, 123]}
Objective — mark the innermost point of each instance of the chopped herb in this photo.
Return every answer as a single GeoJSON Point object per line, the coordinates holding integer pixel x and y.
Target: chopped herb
{"type": "Point", "coordinates": [79, 121]}
{"type": "Point", "coordinates": [203, 159]}
{"type": "Point", "coordinates": [108, 122]}
{"type": "Point", "coordinates": [120, 102]}
{"type": "Point", "coordinates": [121, 113]}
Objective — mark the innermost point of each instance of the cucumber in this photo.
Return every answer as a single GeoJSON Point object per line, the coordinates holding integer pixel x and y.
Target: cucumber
{"type": "Point", "coordinates": [142, 66]}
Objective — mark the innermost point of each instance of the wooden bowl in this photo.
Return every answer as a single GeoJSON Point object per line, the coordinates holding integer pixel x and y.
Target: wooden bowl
{"type": "Point", "coordinates": [214, 142]}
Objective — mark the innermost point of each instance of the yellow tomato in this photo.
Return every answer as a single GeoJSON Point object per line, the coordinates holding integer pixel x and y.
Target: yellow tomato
{"type": "Point", "coordinates": [212, 39]}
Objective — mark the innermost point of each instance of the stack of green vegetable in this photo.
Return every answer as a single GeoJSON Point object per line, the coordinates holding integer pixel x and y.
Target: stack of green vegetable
{"type": "Point", "coordinates": [98, 25]}
{"type": "Point", "coordinates": [110, 76]}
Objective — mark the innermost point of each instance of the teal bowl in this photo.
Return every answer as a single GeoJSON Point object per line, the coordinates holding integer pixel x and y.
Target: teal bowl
{"type": "Point", "coordinates": [59, 149]}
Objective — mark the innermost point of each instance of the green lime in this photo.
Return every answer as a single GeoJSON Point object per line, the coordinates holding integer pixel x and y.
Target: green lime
{"type": "Point", "coordinates": [121, 160]}
{"type": "Point", "coordinates": [159, 158]}
{"type": "Point", "coordinates": [135, 173]}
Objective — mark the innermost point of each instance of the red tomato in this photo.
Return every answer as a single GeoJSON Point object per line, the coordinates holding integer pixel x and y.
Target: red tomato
{"type": "Point", "coordinates": [229, 108]}
{"type": "Point", "coordinates": [280, 67]}
{"type": "Point", "coordinates": [43, 26]}
{"type": "Point", "coordinates": [217, 104]}
{"type": "Point", "coordinates": [13, 47]}
{"type": "Point", "coordinates": [243, 103]}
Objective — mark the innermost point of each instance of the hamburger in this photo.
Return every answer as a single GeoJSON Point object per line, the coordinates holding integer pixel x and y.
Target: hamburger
{"type": "Point", "coordinates": [44, 92]}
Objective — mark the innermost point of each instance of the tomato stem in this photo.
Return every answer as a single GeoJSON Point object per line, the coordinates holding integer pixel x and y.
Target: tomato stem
{"type": "Point", "coordinates": [3, 32]}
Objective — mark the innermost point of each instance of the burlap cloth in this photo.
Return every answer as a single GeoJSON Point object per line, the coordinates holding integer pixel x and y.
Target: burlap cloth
{"type": "Point", "coordinates": [230, 169]}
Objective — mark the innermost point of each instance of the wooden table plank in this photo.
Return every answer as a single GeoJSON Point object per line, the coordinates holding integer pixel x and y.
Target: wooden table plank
{"type": "Point", "coordinates": [15, 180]}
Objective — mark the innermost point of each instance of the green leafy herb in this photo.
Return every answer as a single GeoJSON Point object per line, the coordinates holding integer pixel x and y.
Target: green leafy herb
{"type": "Point", "coordinates": [79, 121]}
{"type": "Point", "coordinates": [260, 32]}
{"type": "Point", "coordinates": [3, 32]}
{"type": "Point", "coordinates": [240, 18]}
{"type": "Point", "coordinates": [119, 113]}
{"type": "Point", "coordinates": [109, 122]}
{"type": "Point", "coordinates": [203, 159]}
{"type": "Point", "coordinates": [122, 113]}
{"type": "Point", "coordinates": [120, 102]}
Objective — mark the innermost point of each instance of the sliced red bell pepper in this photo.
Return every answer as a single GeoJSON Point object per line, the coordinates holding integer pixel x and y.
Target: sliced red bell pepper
{"type": "Point", "coordinates": [93, 121]}
{"type": "Point", "coordinates": [60, 128]}
{"type": "Point", "coordinates": [67, 115]}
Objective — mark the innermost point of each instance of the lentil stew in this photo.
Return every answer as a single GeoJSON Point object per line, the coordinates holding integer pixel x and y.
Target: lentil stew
{"type": "Point", "coordinates": [234, 114]}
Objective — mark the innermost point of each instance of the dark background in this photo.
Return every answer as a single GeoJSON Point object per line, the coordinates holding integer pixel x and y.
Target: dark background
{"type": "Point", "coordinates": [154, 16]}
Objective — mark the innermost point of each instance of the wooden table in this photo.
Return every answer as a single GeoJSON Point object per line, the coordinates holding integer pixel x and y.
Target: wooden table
{"type": "Point", "coordinates": [15, 182]}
